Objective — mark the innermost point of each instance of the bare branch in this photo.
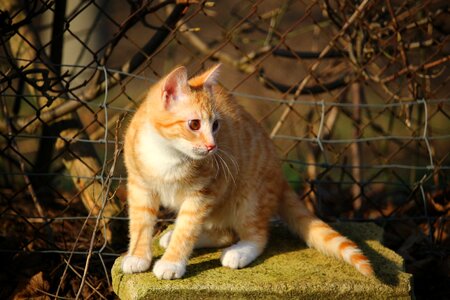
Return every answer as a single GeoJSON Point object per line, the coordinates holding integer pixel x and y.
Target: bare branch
{"type": "Point", "coordinates": [341, 82]}
{"type": "Point", "coordinates": [305, 54]}
{"type": "Point", "coordinates": [31, 123]}
{"type": "Point", "coordinates": [359, 10]}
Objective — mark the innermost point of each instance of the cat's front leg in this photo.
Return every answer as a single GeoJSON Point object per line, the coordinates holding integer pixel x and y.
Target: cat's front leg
{"type": "Point", "coordinates": [188, 224]}
{"type": "Point", "coordinates": [208, 238]}
{"type": "Point", "coordinates": [143, 205]}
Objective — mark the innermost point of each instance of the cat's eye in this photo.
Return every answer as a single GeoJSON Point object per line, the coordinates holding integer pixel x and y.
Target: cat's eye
{"type": "Point", "coordinates": [215, 125]}
{"type": "Point", "coordinates": [194, 124]}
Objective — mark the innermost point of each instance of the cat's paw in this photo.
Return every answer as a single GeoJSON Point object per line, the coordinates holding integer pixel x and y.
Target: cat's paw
{"type": "Point", "coordinates": [134, 264]}
{"type": "Point", "coordinates": [240, 255]}
{"type": "Point", "coordinates": [169, 270]}
{"type": "Point", "coordinates": [165, 239]}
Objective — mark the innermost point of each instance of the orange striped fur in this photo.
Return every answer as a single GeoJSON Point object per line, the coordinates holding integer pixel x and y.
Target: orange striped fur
{"type": "Point", "coordinates": [224, 181]}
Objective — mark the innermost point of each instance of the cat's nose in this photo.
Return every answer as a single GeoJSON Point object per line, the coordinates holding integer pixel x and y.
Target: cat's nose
{"type": "Point", "coordinates": [210, 147]}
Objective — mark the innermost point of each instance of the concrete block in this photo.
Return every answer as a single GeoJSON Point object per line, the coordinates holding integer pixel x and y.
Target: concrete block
{"type": "Point", "coordinates": [286, 270]}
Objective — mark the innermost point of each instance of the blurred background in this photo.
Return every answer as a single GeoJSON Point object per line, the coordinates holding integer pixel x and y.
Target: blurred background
{"type": "Point", "coordinates": [355, 95]}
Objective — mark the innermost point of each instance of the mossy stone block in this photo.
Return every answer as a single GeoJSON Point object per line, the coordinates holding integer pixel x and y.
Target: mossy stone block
{"type": "Point", "coordinates": [286, 270]}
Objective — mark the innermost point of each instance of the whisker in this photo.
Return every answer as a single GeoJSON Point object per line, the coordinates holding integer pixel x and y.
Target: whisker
{"type": "Point", "coordinates": [228, 169]}
{"type": "Point", "coordinates": [233, 160]}
{"type": "Point", "coordinates": [222, 165]}
{"type": "Point", "coordinates": [217, 166]}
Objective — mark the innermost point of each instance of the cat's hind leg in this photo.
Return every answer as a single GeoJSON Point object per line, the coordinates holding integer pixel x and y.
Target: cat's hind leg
{"type": "Point", "coordinates": [251, 223]}
{"type": "Point", "coordinates": [253, 239]}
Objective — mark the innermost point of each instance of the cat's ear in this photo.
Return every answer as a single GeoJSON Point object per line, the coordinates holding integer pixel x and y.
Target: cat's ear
{"type": "Point", "coordinates": [211, 75]}
{"type": "Point", "coordinates": [174, 87]}
{"type": "Point", "coordinates": [206, 79]}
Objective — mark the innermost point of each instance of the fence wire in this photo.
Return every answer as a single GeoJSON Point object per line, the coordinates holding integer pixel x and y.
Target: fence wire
{"type": "Point", "coordinates": [353, 93]}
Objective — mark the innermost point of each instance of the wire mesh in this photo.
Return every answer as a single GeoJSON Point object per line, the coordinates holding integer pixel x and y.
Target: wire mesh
{"type": "Point", "coordinates": [353, 93]}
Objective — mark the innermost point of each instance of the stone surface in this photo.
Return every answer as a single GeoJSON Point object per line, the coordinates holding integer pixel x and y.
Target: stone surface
{"type": "Point", "coordinates": [287, 269]}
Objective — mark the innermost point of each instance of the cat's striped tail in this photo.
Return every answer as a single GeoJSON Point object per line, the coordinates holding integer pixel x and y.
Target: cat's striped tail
{"type": "Point", "coordinates": [319, 235]}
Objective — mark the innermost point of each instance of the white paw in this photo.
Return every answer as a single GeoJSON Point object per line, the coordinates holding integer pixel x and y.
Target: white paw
{"type": "Point", "coordinates": [134, 264]}
{"type": "Point", "coordinates": [169, 270]}
{"type": "Point", "coordinates": [240, 254]}
{"type": "Point", "coordinates": [165, 239]}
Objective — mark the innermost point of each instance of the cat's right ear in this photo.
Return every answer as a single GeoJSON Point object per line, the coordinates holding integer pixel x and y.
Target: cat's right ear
{"type": "Point", "coordinates": [174, 87]}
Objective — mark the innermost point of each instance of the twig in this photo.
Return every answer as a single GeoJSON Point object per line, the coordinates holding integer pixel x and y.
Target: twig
{"type": "Point", "coordinates": [75, 244]}
{"type": "Point", "coordinates": [411, 68]}
{"type": "Point", "coordinates": [54, 296]}
{"type": "Point", "coordinates": [87, 282]}
{"type": "Point", "coordinates": [306, 54]}
{"type": "Point", "coordinates": [356, 189]}
{"type": "Point", "coordinates": [105, 192]}
{"type": "Point", "coordinates": [403, 56]}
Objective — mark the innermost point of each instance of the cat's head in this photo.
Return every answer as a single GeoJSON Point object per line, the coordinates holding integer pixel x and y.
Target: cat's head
{"type": "Point", "coordinates": [186, 116]}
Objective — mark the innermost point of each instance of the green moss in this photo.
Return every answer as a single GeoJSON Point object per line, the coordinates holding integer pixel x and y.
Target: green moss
{"type": "Point", "coordinates": [292, 175]}
{"type": "Point", "coordinates": [286, 269]}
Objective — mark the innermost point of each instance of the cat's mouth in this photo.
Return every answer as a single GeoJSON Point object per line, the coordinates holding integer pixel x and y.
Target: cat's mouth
{"type": "Point", "coordinates": [200, 153]}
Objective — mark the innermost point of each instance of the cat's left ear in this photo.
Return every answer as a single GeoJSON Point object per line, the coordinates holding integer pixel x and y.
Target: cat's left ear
{"type": "Point", "coordinates": [174, 87]}
{"type": "Point", "coordinates": [206, 79]}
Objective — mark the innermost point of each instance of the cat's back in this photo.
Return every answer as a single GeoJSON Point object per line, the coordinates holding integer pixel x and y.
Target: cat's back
{"type": "Point", "coordinates": [252, 160]}
{"type": "Point", "coordinates": [238, 119]}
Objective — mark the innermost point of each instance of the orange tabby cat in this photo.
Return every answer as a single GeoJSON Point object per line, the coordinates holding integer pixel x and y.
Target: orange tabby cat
{"type": "Point", "coordinates": [192, 148]}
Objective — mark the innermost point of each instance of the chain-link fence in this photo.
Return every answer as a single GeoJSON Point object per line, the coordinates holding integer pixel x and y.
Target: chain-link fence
{"type": "Point", "coordinates": [354, 94]}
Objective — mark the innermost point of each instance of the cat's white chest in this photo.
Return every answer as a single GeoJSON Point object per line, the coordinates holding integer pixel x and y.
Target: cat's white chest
{"type": "Point", "coordinates": [156, 156]}
{"type": "Point", "coordinates": [171, 195]}
{"type": "Point", "coordinates": [163, 168]}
